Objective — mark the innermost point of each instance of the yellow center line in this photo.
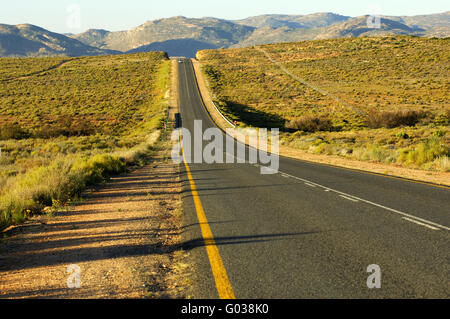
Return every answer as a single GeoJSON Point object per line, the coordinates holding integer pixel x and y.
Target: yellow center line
{"type": "Point", "coordinates": [223, 285]}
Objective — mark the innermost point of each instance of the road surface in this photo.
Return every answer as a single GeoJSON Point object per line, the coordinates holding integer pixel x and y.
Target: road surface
{"type": "Point", "coordinates": [311, 231]}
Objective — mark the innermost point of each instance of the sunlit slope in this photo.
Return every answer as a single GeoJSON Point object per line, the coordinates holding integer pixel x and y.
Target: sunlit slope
{"type": "Point", "coordinates": [342, 96]}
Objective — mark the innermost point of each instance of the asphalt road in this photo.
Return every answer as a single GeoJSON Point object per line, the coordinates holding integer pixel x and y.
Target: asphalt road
{"type": "Point", "coordinates": [311, 231]}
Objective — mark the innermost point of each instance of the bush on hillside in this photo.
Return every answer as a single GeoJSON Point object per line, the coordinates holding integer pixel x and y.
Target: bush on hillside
{"type": "Point", "coordinates": [392, 119]}
{"type": "Point", "coordinates": [310, 124]}
{"type": "Point", "coordinates": [11, 131]}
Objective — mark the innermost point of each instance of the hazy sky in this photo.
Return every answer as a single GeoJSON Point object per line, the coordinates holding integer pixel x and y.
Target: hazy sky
{"type": "Point", "coordinates": [61, 15]}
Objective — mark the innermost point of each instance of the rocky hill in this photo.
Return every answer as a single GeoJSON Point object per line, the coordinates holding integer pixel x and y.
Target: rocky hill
{"type": "Point", "coordinates": [181, 36]}
{"type": "Point", "coordinates": [28, 40]}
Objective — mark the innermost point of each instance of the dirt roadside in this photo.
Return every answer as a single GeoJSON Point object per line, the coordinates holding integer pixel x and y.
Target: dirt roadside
{"type": "Point", "coordinates": [440, 178]}
{"type": "Point", "coordinates": [125, 237]}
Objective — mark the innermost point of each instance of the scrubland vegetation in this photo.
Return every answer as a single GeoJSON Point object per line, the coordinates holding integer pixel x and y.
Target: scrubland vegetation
{"type": "Point", "coordinates": [66, 124]}
{"type": "Point", "coordinates": [382, 99]}
{"type": "Point", "coordinates": [17, 67]}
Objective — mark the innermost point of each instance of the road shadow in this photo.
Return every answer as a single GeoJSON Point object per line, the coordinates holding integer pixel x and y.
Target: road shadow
{"type": "Point", "coordinates": [36, 258]}
{"type": "Point", "coordinates": [254, 117]}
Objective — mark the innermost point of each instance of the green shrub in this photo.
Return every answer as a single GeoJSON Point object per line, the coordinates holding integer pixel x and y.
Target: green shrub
{"type": "Point", "coordinates": [439, 133]}
{"type": "Point", "coordinates": [443, 118]}
{"type": "Point", "coordinates": [323, 148]}
{"type": "Point", "coordinates": [57, 182]}
{"type": "Point", "coordinates": [14, 209]}
{"type": "Point", "coordinates": [38, 188]}
{"type": "Point", "coordinates": [374, 153]}
{"type": "Point", "coordinates": [402, 135]}
{"type": "Point", "coordinates": [99, 168]}
{"type": "Point", "coordinates": [425, 152]}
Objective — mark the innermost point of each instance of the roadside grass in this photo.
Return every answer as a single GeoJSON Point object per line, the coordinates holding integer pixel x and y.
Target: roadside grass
{"type": "Point", "coordinates": [108, 114]}
{"type": "Point", "coordinates": [64, 180]}
{"type": "Point", "coordinates": [425, 152]}
{"type": "Point", "coordinates": [395, 91]}
{"type": "Point", "coordinates": [412, 147]}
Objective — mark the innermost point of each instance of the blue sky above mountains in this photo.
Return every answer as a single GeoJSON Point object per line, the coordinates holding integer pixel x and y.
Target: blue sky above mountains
{"type": "Point", "coordinates": [61, 16]}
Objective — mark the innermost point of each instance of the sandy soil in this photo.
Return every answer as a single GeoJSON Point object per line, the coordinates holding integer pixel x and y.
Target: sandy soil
{"type": "Point", "coordinates": [124, 236]}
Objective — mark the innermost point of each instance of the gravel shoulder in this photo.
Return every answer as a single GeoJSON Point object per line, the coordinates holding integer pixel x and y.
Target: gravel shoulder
{"type": "Point", "coordinates": [125, 237]}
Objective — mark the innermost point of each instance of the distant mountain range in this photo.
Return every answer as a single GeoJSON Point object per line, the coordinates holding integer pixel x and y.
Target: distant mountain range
{"type": "Point", "coordinates": [28, 40]}
{"type": "Point", "coordinates": [181, 36]}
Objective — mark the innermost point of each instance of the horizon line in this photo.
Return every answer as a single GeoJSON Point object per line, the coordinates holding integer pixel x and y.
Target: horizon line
{"type": "Point", "coordinates": [224, 19]}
